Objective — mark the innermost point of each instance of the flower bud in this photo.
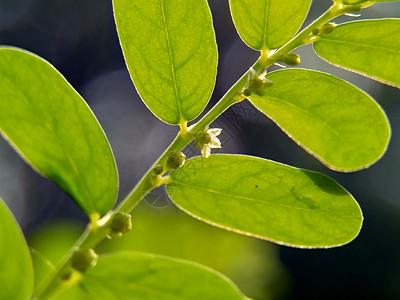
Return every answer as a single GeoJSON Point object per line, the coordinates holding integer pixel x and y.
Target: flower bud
{"type": "Point", "coordinates": [158, 170]}
{"type": "Point", "coordinates": [327, 28]}
{"type": "Point", "coordinates": [175, 160]}
{"type": "Point", "coordinates": [83, 260]}
{"type": "Point", "coordinates": [247, 92]}
{"type": "Point", "coordinates": [352, 2]}
{"type": "Point", "coordinates": [121, 223]}
{"type": "Point", "coordinates": [316, 31]}
{"type": "Point", "coordinates": [291, 59]}
{"type": "Point", "coordinates": [352, 9]}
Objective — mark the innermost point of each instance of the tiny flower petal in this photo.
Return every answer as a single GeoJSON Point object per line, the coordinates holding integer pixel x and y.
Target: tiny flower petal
{"type": "Point", "coordinates": [206, 151]}
{"type": "Point", "coordinates": [207, 139]}
{"type": "Point", "coordinates": [214, 131]}
{"type": "Point", "coordinates": [214, 143]}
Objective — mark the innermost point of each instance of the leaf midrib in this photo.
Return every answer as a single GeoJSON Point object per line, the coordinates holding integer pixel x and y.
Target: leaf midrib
{"type": "Point", "coordinates": [266, 21]}
{"type": "Point", "coordinates": [228, 195]}
{"type": "Point", "coordinates": [171, 62]}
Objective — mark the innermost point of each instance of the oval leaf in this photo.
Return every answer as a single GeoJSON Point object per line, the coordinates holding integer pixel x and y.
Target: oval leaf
{"type": "Point", "coordinates": [333, 120]}
{"type": "Point", "coordinates": [55, 131]}
{"type": "Point", "coordinates": [171, 54]}
{"type": "Point", "coordinates": [17, 272]}
{"type": "Point", "coordinates": [368, 47]}
{"type": "Point", "coordinates": [268, 24]}
{"type": "Point", "coordinates": [153, 277]}
{"type": "Point", "coordinates": [267, 200]}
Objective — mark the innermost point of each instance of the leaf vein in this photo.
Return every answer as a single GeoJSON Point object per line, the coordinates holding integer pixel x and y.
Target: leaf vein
{"type": "Point", "coordinates": [171, 60]}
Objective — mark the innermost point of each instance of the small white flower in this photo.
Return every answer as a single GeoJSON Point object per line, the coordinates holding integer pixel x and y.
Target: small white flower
{"type": "Point", "coordinates": [208, 139]}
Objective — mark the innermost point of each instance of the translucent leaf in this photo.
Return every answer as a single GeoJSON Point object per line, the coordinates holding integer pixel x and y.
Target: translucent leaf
{"type": "Point", "coordinates": [268, 23]}
{"type": "Point", "coordinates": [75, 292]}
{"type": "Point", "coordinates": [368, 47]}
{"type": "Point", "coordinates": [16, 276]}
{"type": "Point", "coordinates": [267, 200]}
{"type": "Point", "coordinates": [55, 131]}
{"type": "Point", "coordinates": [333, 120]}
{"type": "Point", "coordinates": [42, 268]}
{"type": "Point", "coordinates": [52, 242]}
{"type": "Point", "coordinates": [171, 54]}
{"type": "Point", "coordinates": [130, 275]}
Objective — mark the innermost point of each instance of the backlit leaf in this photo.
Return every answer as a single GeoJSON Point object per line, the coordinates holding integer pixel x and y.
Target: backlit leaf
{"type": "Point", "coordinates": [42, 268]}
{"type": "Point", "coordinates": [130, 275]}
{"type": "Point", "coordinates": [333, 120]}
{"type": "Point", "coordinates": [268, 23]}
{"type": "Point", "coordinates": [368, 47]}
{"type": "Point", "coordinates": [171, 54]}
{"type": "Point", "coordinates": [16, 274]}
{"type": "Point", "coordinates": [267, 200]}
{"type": "Point", "coordinates": [55, 131]}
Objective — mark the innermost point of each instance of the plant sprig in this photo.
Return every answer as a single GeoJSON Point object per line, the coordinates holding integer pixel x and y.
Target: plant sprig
{"type": "Point", "coordinates": [176, 88]}
{"type": "Point", "coordinates": [95, 233]}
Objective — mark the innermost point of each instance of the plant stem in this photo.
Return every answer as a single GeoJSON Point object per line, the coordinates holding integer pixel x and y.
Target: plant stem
{"type": "Point", "coordinates": [301, 38]}
{"type": "Point", "coordinates": [94, 234]}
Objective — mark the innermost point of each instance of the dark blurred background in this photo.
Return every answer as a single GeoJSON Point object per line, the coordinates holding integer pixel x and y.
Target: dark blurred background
{"type": "Point", "coordinates": [80, 40]}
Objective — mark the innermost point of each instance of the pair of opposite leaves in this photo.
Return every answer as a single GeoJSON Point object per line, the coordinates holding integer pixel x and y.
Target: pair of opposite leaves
{"type": "Point", "coordinates": [315, 109]}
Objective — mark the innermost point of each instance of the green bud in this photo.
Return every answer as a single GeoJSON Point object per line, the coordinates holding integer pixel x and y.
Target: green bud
{"type": "Point", "coordinates": [352, 9]}
{"type": "Point", "coordinates": [315, 31]}
{"type": "Point", "coordinates": [66, 275]}
{"type": "Point", "coordinates": [327, 28]}
{"type": "Point", "coordinates": [121, 223]}
{"type": "Point", "coordinates": [158, 170]}
{"type": "Point", "coordinates": [354, 2]}
{"type": "Point", "coordinates": [83, 260]}
{"type": "Point", "coordinates": [175, 160]}
{"type": "Point", "coordinates": [247, 92]}
{"type": "Point", "coordinates": [257, 84]}
{"type": "Point", "coordinates": [291, 59]}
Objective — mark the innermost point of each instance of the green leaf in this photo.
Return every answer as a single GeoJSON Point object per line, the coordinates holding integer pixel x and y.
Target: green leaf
{"type": "Point", "coordinates": [55, 131]}
{"type": "Point", "coordinates": [42, 268]}
{"type": "Point", "coordinates": [268, 23]}
{"type": "Point", "coordinates": [52, 242]}
{"type": "Point", "coordinates": [267, 200]}
{"type": "Point", "coordinates": [331, 119]}
{"type": "Point", "coordinates": [130, 275]}
{"type": "Point", "coordinates": [368, 47]}
{"type": "Point", "coordinates": [75, 292]}
{"type": "Point", "coordinates": [171, 54]}
{"type": "Point", "coordinates": [16, 276]}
